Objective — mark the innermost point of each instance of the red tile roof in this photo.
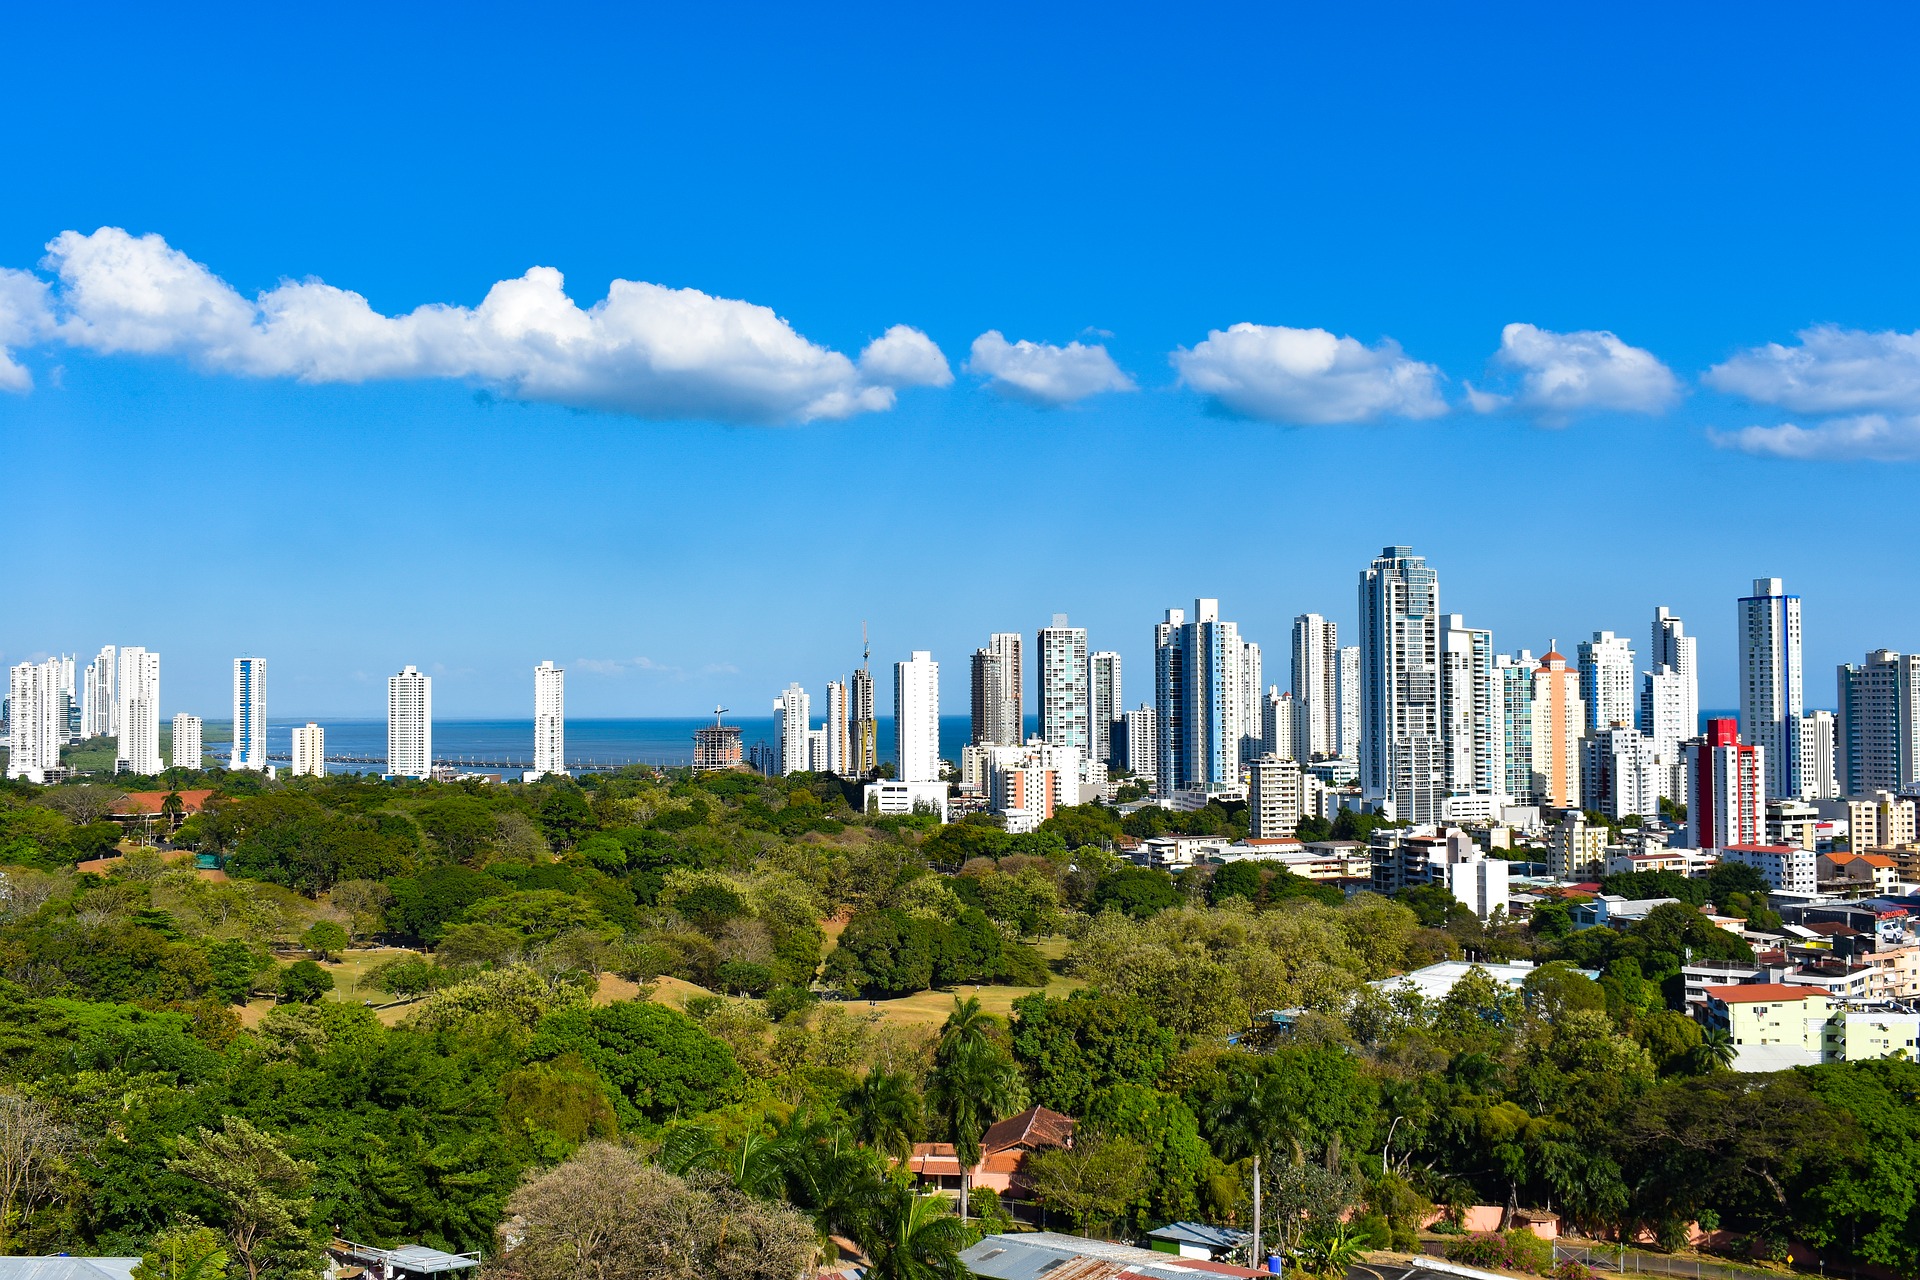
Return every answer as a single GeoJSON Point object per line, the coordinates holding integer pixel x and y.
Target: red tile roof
{"type": "Point", "coordinates": [1760, 993]}
{"type": "Point", "coordinates": [1035, 1129]}
{"type": "Point", "coordinates": [139, 802]}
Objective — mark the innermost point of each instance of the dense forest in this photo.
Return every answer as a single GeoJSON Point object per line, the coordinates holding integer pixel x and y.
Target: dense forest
{"type": "Point", "coordinates": [679, 986]}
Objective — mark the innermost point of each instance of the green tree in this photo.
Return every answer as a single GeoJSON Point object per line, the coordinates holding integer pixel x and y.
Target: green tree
{"type": "Point", "coordinates": [1074, 1047]}
{"type": "Point", "coordinates": [185, 1250]}
{"type": "Point", "coordinates": [1138, 891]}
{"type": "Point", "coordinates": [1081, 825]}
{"type": "Point", "coordinates": [261, 1193]}
{"type": "Point", "coordinates": [656, 1063]}
{"type": "Point", "coordinates": [1093, 1181]}
{"type": "Point", "coordinates": [975, 1082]}
{"type": "Point", "coordinates": [911, 1237]}
{"type": "Point", "coordinates": [461, 826]}
{"type": "Point", "coordinates": [1178, 1158]}
{"type": "Point", "coordinates": [303, 982]}
{"type": "Point", "coordinates": [325, 939]}
{"type": "Point", "coordinates": [886, 1111]}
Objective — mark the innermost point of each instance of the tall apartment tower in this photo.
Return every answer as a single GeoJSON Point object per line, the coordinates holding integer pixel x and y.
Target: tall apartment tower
{"type": "Point", "coordinates": [1350, 702]}
{"type": "Point", "coordinates": [1065, 698]}
{"type": "Point", "coordinates": [69, 701]}
{"type": "Point", "coordinates": [309, 751]}
{"type": "Point", "coordinates": [549, 719]}
{"type": "Point", "coordinates": [98, 705]}
{"type": "Point", "coordinates": [1770, 690]}
{"type": "Point", "coordinates": [1606, 681]}
{"type": "Point", "coordinates": [1727, 800]}
{"type": "Point", "coordinates": [409, 724]}
{"type": "Point", "coordinates": [1818, 739]}
{"type": "Point", "coordinates": [1197, 670]}
{"type": "Point", "coordinates": [1666, 715]}
{"type": "Point", "coordinates": [791, 712]}
{"type": "Point", "coordinates": [137, 695]}
{"type": "Point", "coordinates": [1470, 710]}
{"type": "Point", "coordinates": [1877, 732]}
{"type": "Point", "coordinates": [1316, 683]}
{"type": "Point", "coordinates": [1282, 725]}
{"type": "Point", "coordinates": [1559, 723]}
{"type": "Point", "coordinates": [249, 715]}
{"type": "Point", "coordinates": [1141, 738]}
{"type": "Point", "coordinates": [35, 728]}
{"type": "Point", "coordinates": [1672, 647]}
{"type": "Point", "coordinates": [863, 733]}
{"type": "Point", "coordinates": [1248, 714]}
{"type": "Point", "coordinates": [187, 750]}
{"type": "Point", "coordinates": [1402, 753]}
{"type": "Point", "coordinates": [837, 728]}
{"type": "Point", "coordinates": [916, 718]}
{"type": "Point", "coordinates": [996, 702]}
{"type": "Point", "coordinates": [1104, 671]}
{"type": "Point", "coordinates": [1513, 675]}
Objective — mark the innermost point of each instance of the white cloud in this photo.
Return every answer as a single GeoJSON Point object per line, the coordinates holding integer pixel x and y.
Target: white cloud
{"type": "Point", "coordinates": [1868, 436]}
{"type": "Point", "coordinates": [1832, 370]}
{"type": "Point", "coordinates": [25, 316]}
{"type": "Point", "coordinates": [904, 357]}
{"type": "Point", "coordinates": [1042, 373]}
{"type": "Point", "coordinates": [645, 349]}
{"type": "Point", "coordinates": [1565, 374]}
{"type": "Point", "coordinates": [1308, 376]}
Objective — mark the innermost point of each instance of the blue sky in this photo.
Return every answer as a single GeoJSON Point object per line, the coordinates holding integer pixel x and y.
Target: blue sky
{"type": "Point", "coordinates": [708, 502]}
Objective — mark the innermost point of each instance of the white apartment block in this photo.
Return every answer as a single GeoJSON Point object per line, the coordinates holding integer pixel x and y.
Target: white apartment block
{"type": "Point", "coordinates": [1471, 716]}
{"type": "Point", "coordinates": [1142, 739]}
{"type": "Point", "coordinates": [35, 725]}
{"type": "Point", "coordinates": [187, 750]}
{"type": "Point", "coordinates": [549, 719]}
{"type": "Point", "coordinates": [1672, 647]}
{"type": "Point", "coordinates": [1316, 683]}
{"type": "Point", "coordinates": [1249, 716]}
{"type": "Point", "coordinates": [409, 724]}
{"type": "Point", "coordinates": [1283, 723]}
{"type": "Point", "coordinates": [1350, 702]}
{"type": "Point", "coordinates": [99, 710]}
{"type": "Point", "coordinates": [1665, 710]}
{"type": "Point", "coordinates": [309, 751]}
{"type": "Point", "coordinates": [1878, 729]}
{"type": "Point", "coordinates": [916, 718]}
{"type": "Point", "coordinates": [839, 758]}
{"type": "Point", "coordinates": [1402, 754]}
{"type": "Point", "coordinates": [791, 712]}
{"type": "Point", "coordinates": [1771, 696]}
{"type": "Point", "coordinates": [1275, 798]}
{"type": "Point", "coordinates": [1108, 704]}
{"type": "Point", "coordinates": [1621, 773]}
{"type": "Point", "coordinates": [137, 688]}
{"type": "Point", "coordinates": [1784, 867]}
{"type": "Point", "coordinates": [1817, 740]}
{"type": "Point", "coordinates": [249, 715]}
{"type": "Point", "coordinates": [1606, 680]}
{"type": "Point", "coordinates": [1066, 698]}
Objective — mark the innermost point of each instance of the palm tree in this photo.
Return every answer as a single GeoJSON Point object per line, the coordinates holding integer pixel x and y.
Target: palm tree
{"type": "Point", "coordinates": [910, 1237]}
{"type": "Point", "coordinates": [1252, 1121]}
{"type": "Point", "coordinates": [886, 1113]}
{"type": "Point", "coordinates": [171, 808]}
{"type": "Point", "coordinates": [1715, 1052]}
{"type": "Point", "coordinates": [974, 1083]}
{"type": "Point", "coordinates": [1333, 1253]}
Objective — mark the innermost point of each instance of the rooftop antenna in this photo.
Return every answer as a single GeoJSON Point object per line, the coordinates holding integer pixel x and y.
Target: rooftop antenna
{"type": "Point", "coordinates": [866, 651]}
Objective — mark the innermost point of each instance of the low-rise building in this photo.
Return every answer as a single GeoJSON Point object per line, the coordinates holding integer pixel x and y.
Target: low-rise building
{"type": "Point", "coordinates": [1175, 853]}
{"type": "Point", "coordinates": [1436, 980]}
{"type": "Point", "coordinates": [1775, 1026]}
{"type": "Point", "coordinates": [1004, 1149]}
{"type": "Point", "coordinates": [1783, 867]}
{"type": "Point", "coordinates": [1868, 873]}
{"type": "Point", "coordinates": [895, 798]}
{"type": "Point", "coordinates": [1049, 1253]}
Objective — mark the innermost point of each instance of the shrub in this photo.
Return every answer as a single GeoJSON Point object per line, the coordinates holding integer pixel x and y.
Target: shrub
{"type": "Point", "coordinates": [1517, 1250]}
{"type": "Point", "coordinates": [1528, 1252]}
{"type": "Point", "coordinates": [1481, 1249]}
{"type": "Point", "coordinates": [1574, 1270]}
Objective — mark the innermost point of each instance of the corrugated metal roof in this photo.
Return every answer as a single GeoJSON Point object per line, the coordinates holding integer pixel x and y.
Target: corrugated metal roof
{"type": "Point", "coordinates": [67, 1268]}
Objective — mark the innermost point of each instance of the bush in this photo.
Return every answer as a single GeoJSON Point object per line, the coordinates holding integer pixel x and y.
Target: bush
{"type": "Point", "coordinates": [1528, 1252]}
{"type": "Point", "coordinates": [304, 982]}
{"type": "Point", "coordinates": [742, 977]}
{"type": "Point", "coordinates": [1517, 1250]}
{"type": "Point", "coordinates": [1572, 1270]}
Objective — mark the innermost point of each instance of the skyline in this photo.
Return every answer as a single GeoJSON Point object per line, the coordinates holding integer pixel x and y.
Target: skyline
{"type": "Point", "coordinates": [1109, 179]}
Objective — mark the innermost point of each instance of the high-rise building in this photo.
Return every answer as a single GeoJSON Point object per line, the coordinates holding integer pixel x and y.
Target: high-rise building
{"type": "Point", "coordinates": [1606, 681]}
{"type": "Point", "coordinates": [863, 737]}
{"type": "Point", "coordinates": [549, 719]}
{"type": "Point", "coordinates": [1282, 722]}
{"type": "Point", "coordinates": [1197, 670]}
{"type": "Point", "coordinates": [1665, 708]}
{"type": "Point", "coordinates": [1620, 774]}
{"type": "Point", "coordinates": [309, 751]}
{"type": "Point", "coordinates": [1140, 741]}
{"type": "Point", "coordinates": [1402, 754]}
{"type": "Point", "coordinates": [187, 750]}
{"type": "Point", "coordinates": [1878, 728]}
{"type": "Point", "coordinates": [137, 689]}
{"type": "Point", "coordinates": [99, 709]}
{"type": "Point", "coordinates": [69, 701]}
{"type": "Point", "coordinates": [717, 746]}
{"type": "Point", "coordinates": [1514, 674]}
{"type": "Point", "coordinates": [1273, 798]}
{"type": "Point", "coordinates": [916, 718]}
{"type": "Point", "coordinates": [410, 724]}
{"type": "Point", "coordinates": [1470, 710]}
{"type": "Point", "coordinates": [1350, 702]}
{"type": "Point", "coordinates": [1316, 683]}
{"type": "Point", "coordinates": [35, 728]}
{"type": "Point", "coordinates": [1817, 739]}
{"type": "Point", "coordinates": [1249, 711]}
{"type": "Point", "coordinates": [791, 719]}
{"type": "Point", "coordinates": [1559, 721]}
{"type": "Point", "coordinates": [996, 695]}
{"type": "Point", "coordinates": [1107, 703]}
{"type": "Point", "coordinates": [1065, 699]}
{"type": "Point", "coordinates": [1770, 688]}
{"type": "Point", "coordinates": [1727, 798]}
{"type": "Point", "coordinates": [837, 728]}
{"type": "Point", "coordinates": [249, 715]}
{"type": "Point", "coordinates": [1673, 647]}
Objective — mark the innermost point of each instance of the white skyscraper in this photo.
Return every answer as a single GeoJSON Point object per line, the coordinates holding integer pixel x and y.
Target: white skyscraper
{"type": "Point", "coordinates": [1664, 713]}
{"type": "Point", "coordinates": [410, 724]}
{"type": "Point", "coordinates": [1673, 647]}
{"type": "Point", "coordinates": [1316, 683]}
{"type": "Point", "coordinates": [916, 718]}
{"type": "Point", "coordinates": [1513, 675]}
{"type": "Point", "coordinates": [1402, 753]}
{"type": "Point", "coordinates": [1107, 703]}
{"type": "Point", "coordinates": [1250, 717]}
{"type": "Point", "coordinates": [1198, 666]}
{"type": "Point", "coordinates": [1142, 739]}
{"type": "Point", "coordinates": [99, 710]}
{"type": "Point", "coordinates": [34, 728]}
{"type": "Point", "coordinates": [791, 712]}
{"type": "Point", "coordinates": [1470, 710]}
{"type": "Point", "coordinates": [1878, 729]}
{"type": "Point", "coordinates": [1282, 724]}
{"type": "Point", "coordinates": [1770, 690]}
{"type": "Point", "coordinates": [187, 751]}
{"type": "Point", "coordinates": [69, 701]}
{"type": "Point", "coordinates": [839, 758]}
{"type": "Point", "coordinates": [549, 719]}
{"type": "Point", "coordinates": [1065, 696]}
{"type": "Point", "coordinates": [1817, 739]}
{"type": "Point", "coordinates": [1350, 702]}
{"type": "Point", "coordinates": [249, 715]}
{"type": "Point", "coordinates": [137, 689]}
{"type": "Point", "coordinates": [309, 751]}
{"type": "Point", "coordinates": [1606, 681]}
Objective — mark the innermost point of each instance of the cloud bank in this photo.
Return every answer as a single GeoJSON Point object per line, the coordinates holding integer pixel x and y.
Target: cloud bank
{"type": "Point", "coordinates": [1044, 374]}
{"type": "Point", "coordinates": [1308, 376]}
{"type": "Point", "coordinates": [1563, 375]}
{"type": "Point", "coordinates": [1865, 385]}
{"type": "Point", "coordinates": [644, 350]}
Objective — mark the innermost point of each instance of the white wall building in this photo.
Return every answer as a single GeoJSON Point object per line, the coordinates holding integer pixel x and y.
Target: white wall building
{"type": "Point", "coordinates": [1274, 798]}
{"type": "Point", "coordinates": [839, 751]}
{"type": "Point", "coordinates": [187, 750]}
{"type": "Point", "coordinates": [249, 715]}
{"type": "Point", "coordinates": [1108, 704]}
{"type": "Point", "coordinates": [1066, 698]}
{"type": "Point", "coordinates": [791, 711]}
{"type": "Point", "coordinates": [1621, 773]}
{"type": "Point", "coordinates": [916, 718]}
{"type": "Point", "coordinates": [34, 723]}
{"type": "Point", "coordinates": [1402, 753]}
{"type": "Point", "coordinates": [1316, 683]}
{"type": "Point", "coordinates": [1350, 702]}
{"type": "Point", "coordinates": [1198, 666]}
{"type": "Point", "coordinates": [99, 709]}
{"type": "Point", "coordinates": [409, 724]}
{"type": "Point", "coordinates": [549, 719]}
{"type": "Point", "coordinates": [1471, 710]}
{"type": "Point", "coordinates": [1672, 647]}
{"type": "Point", "coordinates": [1249, 715]}
{"type": "Point", "coordinates": [309, 751]}
{"type": "Point", "coordinates": [1770, 684]}
{"type": "Point", "coordinates": [1283, 724]}
{"type": "Point", "coordinates": [1785, 868]}
{"type": "Point", "coordinates": [137, 687]}
{"type": "Point", "coordinates": [1606, 681]}
{"type": "Point", "coordinates": [1818, 740]}
{"type": "Point", "coordinates": [1141, 737]}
